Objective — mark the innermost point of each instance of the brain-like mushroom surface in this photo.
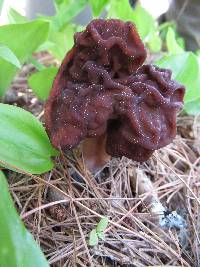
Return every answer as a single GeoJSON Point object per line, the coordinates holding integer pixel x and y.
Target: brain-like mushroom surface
{"type": "Point", "coordinates": [102, 88]}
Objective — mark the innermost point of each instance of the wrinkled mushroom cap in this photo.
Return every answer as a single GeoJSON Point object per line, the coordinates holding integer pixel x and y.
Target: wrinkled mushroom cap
{"type": "Point", "coordinates": [102, 88]}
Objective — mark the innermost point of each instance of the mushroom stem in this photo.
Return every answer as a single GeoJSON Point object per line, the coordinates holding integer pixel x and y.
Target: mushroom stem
{"type": "Point", "coordinates": [94, 153]}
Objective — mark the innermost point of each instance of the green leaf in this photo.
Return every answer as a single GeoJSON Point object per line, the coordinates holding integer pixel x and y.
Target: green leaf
{"type": "Point", "coordinates": [172, 45]}
{"type": "Point", "coordinates": [93, 238]}
{"type": "Point", "coordinates": [193, 107]}
{"type": "Point", "coordinates": [58, 2]}
{"type": "Point", "coordinates": [185, 69]}
{"type": "Point", "coordinates": [97, 6]}
{"type": "Point", "coordinates": [9, 56]}
{"type": "Point", "coordinates": [154, 42]}
{"type": "Point", "coordinates": [144, 22]}
{"type": "Point", "coordinates": [66, 11]}
{"type": "Point", "coordinates": [62, 41]}
{"type": "Point", "coordinates": [41, 82]}
{"type": "Point", "coordinates": [15, 17]}
{"type": "Point", "coordinates": [45, 46]}
{"type": "Point", "coordinates": [17, 246]}
{"type": "Point", "coordinates": [120, 10]}
{"type": "Point", "coordinates": [23, 141]}
{"type": "Point", "coordinates": [103, 223]}
{"type": "Point", "coordinates": [101, 235]}
{"type": "Point", "coordinates": [22, 40]}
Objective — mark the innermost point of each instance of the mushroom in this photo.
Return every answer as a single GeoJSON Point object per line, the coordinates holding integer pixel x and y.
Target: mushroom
{"type": "Point", "coordinates": [102, 94]}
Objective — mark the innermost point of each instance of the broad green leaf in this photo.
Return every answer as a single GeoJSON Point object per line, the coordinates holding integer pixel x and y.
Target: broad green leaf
{"type": "Point", "coordinates": [17, 246]}
{"type": "Point", "coordinates": [101, 236]}
{"type": "Point", "coordinates": [93, 238]}
{"type": "Point", "coordinates": [101, 226]}
{"type": "Point", "coordinates": [16, 17]}
{"type": "Point", "coordinates": [41, 82]}
{"type": "Point", "coordinates": [45, 46]}
{"type": "Point", "coordinates": [97, 6]}
{"type": "Point", "coordinates": [67, 10]}
{"type": "Point", "coordinates": [185, 69]}
{"type": "Point", "coordinates": [172, 45]}
{"type": "Point", "coordinates": [193, 107]}
{"type": "Point", "coordinates": [23, 40]}
{"type": "Point", "coordinates": [154, 42]}
{"type": "Point", "coordinates": [144, 22]}
{"type": "Point", "coordinates": [9, 56]}
{"type": "Point", "coordinates": [62, 41]}
{"type": "Point", "coordinates": [23, 141]}
{"type": "Point", "coordinates": [120, 10]}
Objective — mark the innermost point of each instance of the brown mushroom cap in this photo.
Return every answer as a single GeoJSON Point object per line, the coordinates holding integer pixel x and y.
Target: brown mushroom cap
{"type": "Point", "coordinates": [101, 89]}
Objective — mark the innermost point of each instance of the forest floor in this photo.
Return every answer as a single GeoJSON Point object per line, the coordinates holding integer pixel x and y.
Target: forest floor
{"type": "Point", "coordinates": [61, 212]}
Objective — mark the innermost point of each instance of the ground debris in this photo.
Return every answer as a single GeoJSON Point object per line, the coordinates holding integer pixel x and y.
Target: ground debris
{"type": "Point", "coordinates": [133, 236]}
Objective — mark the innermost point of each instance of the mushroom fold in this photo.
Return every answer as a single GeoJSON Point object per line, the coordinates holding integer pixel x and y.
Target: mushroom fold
{"type": "Point", "coordinates": [102, 88]}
